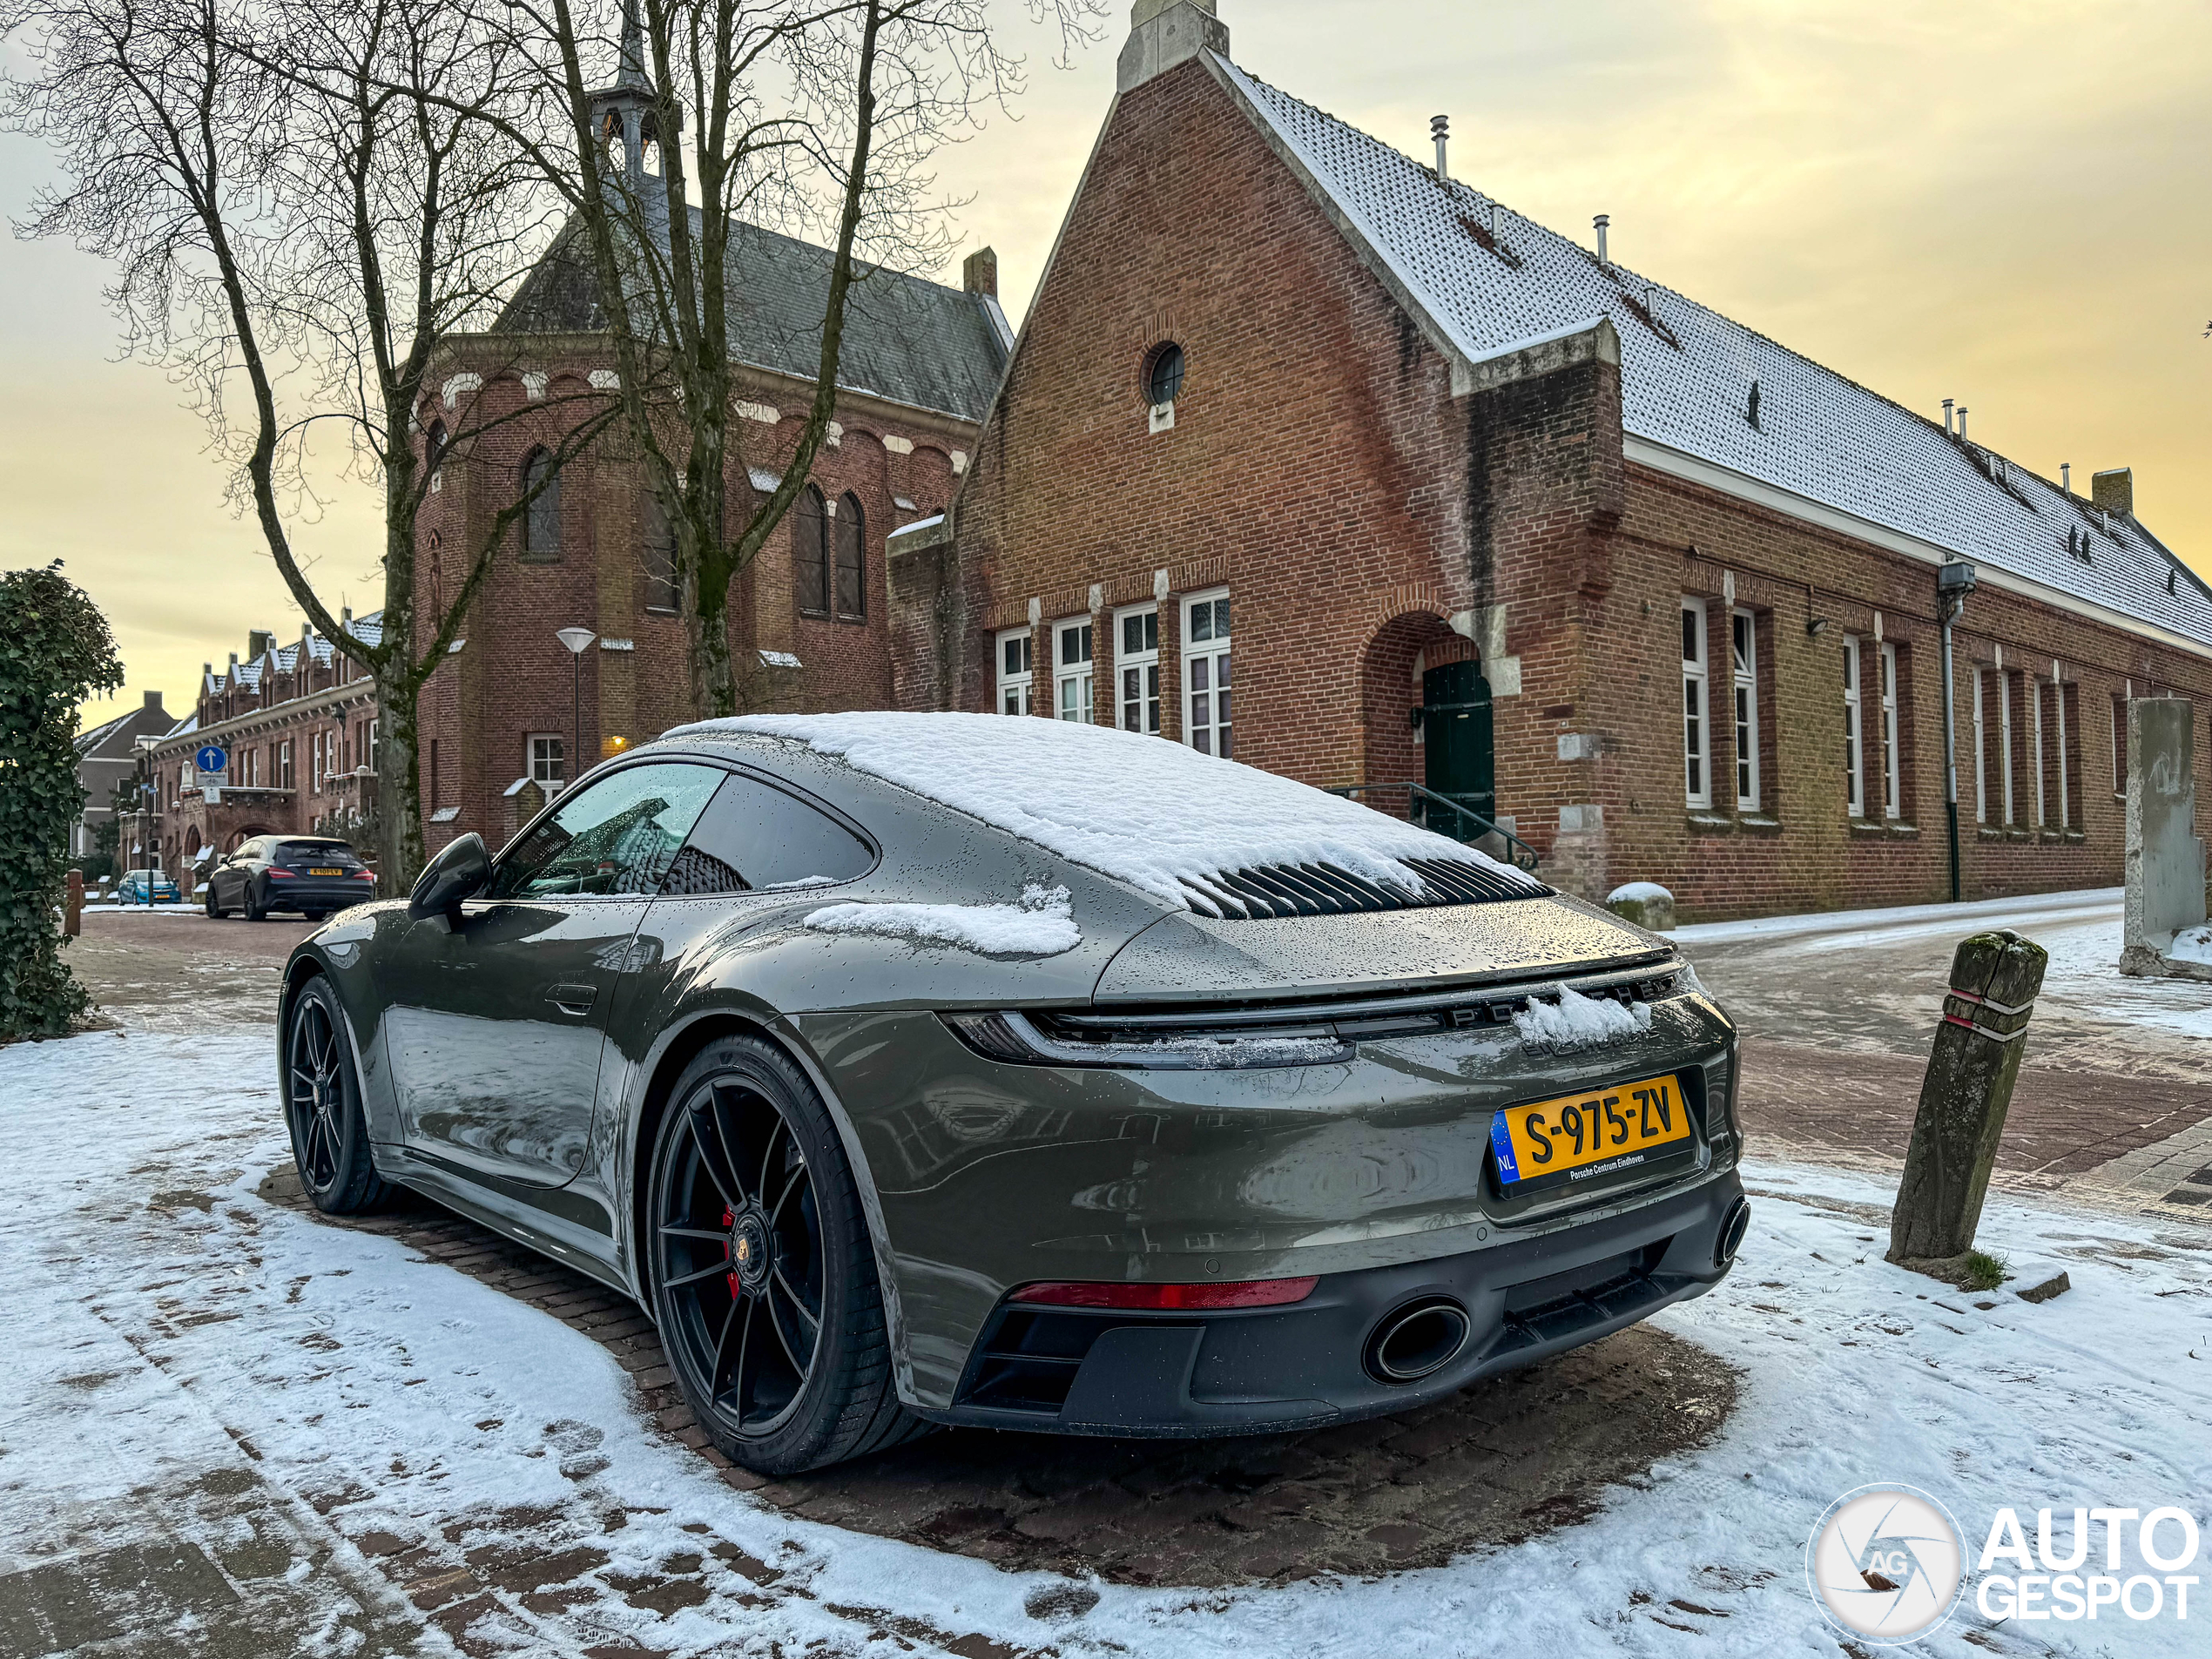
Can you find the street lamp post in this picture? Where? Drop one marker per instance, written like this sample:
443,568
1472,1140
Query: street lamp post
578,640
1954,581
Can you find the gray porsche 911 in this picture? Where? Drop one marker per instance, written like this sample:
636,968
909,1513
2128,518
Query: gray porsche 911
915,1069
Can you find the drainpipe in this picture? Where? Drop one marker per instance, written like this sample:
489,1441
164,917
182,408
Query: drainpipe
1954,581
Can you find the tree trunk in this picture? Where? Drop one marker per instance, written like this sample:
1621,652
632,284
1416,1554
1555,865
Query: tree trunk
1968,1089
399,686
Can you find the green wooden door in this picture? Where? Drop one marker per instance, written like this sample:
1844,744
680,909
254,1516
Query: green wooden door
1456,738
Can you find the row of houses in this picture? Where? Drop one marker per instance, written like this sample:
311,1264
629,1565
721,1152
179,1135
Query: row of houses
1320,458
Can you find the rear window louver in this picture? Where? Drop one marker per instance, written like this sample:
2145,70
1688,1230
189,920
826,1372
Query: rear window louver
1325,890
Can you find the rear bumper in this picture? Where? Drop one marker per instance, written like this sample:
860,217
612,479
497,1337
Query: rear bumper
1264,1369
298,894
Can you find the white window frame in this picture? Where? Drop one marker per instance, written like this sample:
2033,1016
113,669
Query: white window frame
1072,676
1854,733
1982,751
1743,669
1892,776
536,761
2004,741
1206,666
1697,722
284,763
1136,671
2036,698
1012,656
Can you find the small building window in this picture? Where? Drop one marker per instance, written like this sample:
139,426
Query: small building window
1893,763
1698,779
542,518
809,552
1162,374
851,573
1013,645
433,445
661,593
2119,744
1854,738
1205,673
1981,746
1137,663
1071,671
284,763
548,760
1744,638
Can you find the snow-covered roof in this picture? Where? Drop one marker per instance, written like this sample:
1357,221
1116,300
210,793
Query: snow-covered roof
190,723
1494,282
248,675
369,630
88,741
1159,815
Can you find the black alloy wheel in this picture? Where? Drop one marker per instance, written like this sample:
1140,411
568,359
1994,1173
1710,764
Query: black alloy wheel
254,910
764,1279
213,915
323,1108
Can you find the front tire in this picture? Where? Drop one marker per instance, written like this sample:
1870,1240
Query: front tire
763,1274
213,915
323,1108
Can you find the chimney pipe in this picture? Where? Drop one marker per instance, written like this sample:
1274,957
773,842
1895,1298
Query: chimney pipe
1602,221
1962,423
2066,477
1439,128
1947,403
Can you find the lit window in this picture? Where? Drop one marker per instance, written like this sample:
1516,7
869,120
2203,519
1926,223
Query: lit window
549,763
1892,781
1697,780
1854,745
1744,663
1013,646
1205,673
1137,667
1071,671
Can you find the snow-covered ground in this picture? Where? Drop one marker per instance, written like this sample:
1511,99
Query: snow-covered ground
167,1332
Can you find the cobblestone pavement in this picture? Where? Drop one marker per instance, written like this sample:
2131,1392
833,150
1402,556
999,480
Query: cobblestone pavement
170,971
2115,1087
1497,1463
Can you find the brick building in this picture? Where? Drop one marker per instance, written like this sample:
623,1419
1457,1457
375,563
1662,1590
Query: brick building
107,759
298,725
1374,422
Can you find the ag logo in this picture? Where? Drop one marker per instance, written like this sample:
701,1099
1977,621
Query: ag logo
1886,1564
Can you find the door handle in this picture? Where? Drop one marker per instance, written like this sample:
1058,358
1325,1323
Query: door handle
574,1001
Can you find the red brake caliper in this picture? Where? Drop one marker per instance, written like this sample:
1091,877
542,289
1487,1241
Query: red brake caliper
728,1222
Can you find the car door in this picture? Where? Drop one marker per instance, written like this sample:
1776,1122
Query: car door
230,894
494,1027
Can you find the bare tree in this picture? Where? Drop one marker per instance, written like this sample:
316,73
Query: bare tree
304,203
817,117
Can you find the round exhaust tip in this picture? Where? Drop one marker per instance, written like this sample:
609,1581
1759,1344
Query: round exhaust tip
1425,1337
1734,1226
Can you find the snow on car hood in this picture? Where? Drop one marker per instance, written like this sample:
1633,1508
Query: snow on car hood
1152,814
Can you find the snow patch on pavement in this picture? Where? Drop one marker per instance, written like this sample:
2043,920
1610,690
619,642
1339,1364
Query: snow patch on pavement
1153,814
398,1396
1041,925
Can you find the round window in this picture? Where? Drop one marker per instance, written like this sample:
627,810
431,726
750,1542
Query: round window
1164,373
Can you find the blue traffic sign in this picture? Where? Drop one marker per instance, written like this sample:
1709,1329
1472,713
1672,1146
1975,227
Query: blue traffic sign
210,760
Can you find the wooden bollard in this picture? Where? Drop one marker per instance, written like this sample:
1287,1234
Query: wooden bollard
1968,1089
73,904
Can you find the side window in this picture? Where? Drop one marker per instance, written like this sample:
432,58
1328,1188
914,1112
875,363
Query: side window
755,837
620,835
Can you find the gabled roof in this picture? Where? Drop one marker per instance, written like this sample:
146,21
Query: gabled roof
1493,281
88,741
906,341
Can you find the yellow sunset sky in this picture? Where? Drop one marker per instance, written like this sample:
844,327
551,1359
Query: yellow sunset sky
2002,203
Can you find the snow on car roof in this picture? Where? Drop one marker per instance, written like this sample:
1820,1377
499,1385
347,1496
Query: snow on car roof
1148,812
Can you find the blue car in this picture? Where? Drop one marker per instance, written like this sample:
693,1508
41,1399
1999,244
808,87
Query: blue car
149,887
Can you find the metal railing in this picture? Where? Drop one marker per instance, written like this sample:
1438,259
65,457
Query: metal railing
1462,823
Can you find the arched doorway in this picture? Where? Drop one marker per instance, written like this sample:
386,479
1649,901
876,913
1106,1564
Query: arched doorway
1414,662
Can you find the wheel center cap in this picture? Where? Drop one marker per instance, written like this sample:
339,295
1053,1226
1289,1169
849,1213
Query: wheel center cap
749,1250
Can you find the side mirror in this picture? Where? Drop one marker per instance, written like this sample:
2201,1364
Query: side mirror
460,872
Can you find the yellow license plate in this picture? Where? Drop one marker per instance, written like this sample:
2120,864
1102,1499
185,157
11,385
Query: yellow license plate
325,872
1597,1132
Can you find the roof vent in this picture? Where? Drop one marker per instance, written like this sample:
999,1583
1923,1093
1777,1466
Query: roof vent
1751,413
2066,477
1439,128
1948,404
1603,222
1962,423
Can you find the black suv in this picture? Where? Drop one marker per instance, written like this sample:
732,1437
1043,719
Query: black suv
312,874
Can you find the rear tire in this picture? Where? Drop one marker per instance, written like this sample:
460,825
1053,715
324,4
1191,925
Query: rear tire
762,1272
254,910
323,1107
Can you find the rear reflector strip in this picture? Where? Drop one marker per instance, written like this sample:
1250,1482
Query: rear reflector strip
1238,1294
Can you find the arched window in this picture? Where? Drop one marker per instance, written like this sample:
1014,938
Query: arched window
661,591
542,521
851,566
809,552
